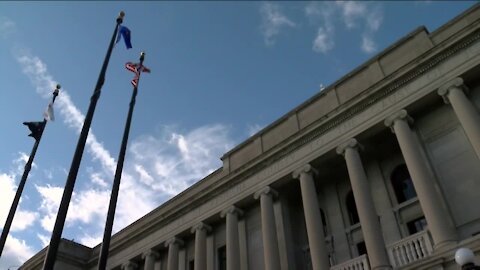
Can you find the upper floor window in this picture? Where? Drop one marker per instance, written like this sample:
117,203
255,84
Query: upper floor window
402,184
416,225
352,209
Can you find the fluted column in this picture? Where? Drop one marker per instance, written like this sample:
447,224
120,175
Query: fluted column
173,245
233,246
269,228
201,230
467,114
129,266
150,256
313,220
372,232
439,223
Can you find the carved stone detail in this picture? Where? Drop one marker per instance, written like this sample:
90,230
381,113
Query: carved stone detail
267,191
231,210
201,226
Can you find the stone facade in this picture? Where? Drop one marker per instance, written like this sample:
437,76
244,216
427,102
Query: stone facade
380,170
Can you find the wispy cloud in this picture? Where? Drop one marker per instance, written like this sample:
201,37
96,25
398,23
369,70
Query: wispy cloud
177,160
366,16
352,12
273,21
324,14
7,27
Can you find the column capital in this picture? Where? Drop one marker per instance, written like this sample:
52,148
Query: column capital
174,240
351,143
231,210
307,168
129,264
455,84
201,226
400,115
265,191
149,253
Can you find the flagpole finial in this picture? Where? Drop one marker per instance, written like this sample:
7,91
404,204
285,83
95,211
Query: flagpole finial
57,89
120,17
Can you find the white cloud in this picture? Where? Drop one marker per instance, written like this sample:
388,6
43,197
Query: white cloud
44,239
23,218
352,11
51,197
368,45
90,241
323,42
273,21
177,160
322,12
15,253
7,27
366,16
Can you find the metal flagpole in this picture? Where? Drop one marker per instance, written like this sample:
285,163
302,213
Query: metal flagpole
37,135
49,262
102,261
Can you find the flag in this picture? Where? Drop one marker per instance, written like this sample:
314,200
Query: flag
124,32
36,129
135,81
136,68
48,114
131,66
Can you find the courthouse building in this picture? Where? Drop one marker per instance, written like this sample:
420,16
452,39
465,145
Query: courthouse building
380,170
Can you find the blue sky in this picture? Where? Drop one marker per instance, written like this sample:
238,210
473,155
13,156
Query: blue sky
220,72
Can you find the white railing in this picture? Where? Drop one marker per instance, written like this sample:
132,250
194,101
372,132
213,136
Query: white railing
358,263
413,248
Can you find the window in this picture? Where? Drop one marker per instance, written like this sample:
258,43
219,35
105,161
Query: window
352,209
324,222
361,248
222,258
402,184
416,225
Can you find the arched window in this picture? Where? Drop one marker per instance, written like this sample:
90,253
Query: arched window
402,184
352,209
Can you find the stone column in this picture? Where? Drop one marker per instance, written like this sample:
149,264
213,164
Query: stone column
269,228
372,232
233,247
129,266
173,245
150,256
201,230
439,223
313,220
453,93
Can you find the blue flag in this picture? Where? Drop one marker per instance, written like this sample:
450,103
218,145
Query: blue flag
125,33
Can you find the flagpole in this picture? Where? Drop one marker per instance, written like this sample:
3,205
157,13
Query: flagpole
21,185
102,261
77,158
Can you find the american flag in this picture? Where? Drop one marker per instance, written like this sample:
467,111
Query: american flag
136,68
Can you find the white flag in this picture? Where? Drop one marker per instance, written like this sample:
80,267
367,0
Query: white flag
48,114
